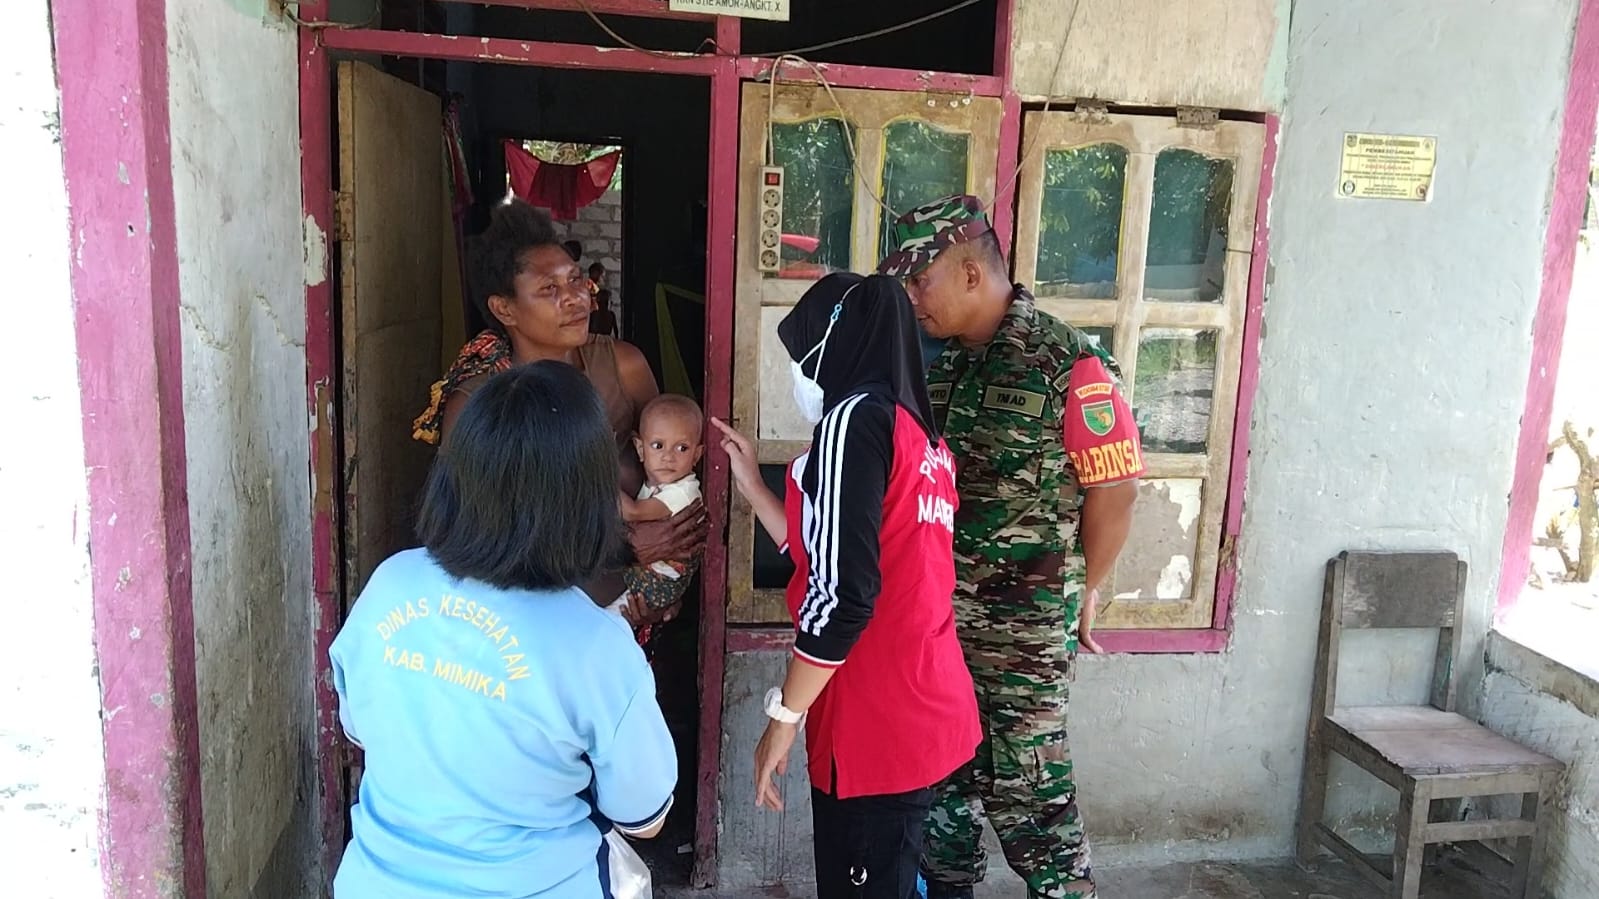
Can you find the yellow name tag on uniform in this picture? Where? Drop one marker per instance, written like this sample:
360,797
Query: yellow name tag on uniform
938,394
1009,399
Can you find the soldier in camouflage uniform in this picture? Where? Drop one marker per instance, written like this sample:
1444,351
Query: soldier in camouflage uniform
1034,415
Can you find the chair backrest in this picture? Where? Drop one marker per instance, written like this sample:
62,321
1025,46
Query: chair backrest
1368,590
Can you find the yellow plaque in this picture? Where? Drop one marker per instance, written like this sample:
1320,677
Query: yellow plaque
1387,167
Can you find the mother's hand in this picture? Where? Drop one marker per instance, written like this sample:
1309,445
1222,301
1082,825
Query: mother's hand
680,537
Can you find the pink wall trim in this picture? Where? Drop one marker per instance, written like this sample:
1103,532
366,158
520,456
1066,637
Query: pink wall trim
650,9
876,77
1570,196
721,239
116,146
321,358
1248,384
1164,641
513,52
1002,210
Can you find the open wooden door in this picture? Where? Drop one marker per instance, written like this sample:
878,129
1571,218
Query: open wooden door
390,229
912,148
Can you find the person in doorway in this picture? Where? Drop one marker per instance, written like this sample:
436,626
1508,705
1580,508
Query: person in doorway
596,279
669,444
553,733
1048,458
877,673
532,294
602,320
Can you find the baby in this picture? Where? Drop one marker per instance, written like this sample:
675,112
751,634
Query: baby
669,444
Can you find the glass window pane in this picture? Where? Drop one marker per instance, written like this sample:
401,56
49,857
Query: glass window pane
1188,227
1103,335
920,164
1158,563
1080,223
772,568
818,196
1173,389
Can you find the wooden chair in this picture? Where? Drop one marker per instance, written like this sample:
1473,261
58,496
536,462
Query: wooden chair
1428,753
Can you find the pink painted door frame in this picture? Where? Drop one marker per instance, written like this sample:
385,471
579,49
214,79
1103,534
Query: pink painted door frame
726,70
111,60
1554,295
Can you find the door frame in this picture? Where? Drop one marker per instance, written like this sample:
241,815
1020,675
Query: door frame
726,72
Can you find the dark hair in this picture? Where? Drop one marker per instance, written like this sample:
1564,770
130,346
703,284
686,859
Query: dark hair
523,492
573,249
496,254
985,249
597,267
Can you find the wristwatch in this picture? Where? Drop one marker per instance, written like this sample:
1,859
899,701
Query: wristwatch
778,712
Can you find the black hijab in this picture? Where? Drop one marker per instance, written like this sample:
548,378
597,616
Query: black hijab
875,347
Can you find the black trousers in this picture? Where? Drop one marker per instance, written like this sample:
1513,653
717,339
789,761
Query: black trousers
868,847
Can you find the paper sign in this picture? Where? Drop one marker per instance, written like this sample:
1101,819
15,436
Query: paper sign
775,10
1387,167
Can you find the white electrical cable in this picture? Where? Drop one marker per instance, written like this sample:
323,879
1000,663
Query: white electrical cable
1035,143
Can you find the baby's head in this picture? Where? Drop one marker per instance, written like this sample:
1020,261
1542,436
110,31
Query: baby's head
669,437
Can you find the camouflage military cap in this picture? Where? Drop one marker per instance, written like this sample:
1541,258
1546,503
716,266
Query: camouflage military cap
920,235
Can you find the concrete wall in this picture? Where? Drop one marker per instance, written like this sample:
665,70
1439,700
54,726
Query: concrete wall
1552,708
235,131
51,753
1229,54
1396,341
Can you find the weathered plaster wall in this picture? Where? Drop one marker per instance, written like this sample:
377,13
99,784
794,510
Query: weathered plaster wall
1217,53
1552,708
1396,341
235,133
51,753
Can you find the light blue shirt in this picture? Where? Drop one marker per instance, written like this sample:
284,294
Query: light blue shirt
503,729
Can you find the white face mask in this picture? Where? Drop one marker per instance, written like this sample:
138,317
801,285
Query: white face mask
808,395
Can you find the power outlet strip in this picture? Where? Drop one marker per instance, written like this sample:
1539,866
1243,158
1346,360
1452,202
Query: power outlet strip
769,236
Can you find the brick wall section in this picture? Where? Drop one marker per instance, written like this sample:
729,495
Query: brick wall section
599,229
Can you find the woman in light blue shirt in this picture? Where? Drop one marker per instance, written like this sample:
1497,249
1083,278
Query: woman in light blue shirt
508,722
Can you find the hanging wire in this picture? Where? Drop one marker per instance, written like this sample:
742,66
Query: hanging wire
1035,142
661,54
866,36
849,140
797,51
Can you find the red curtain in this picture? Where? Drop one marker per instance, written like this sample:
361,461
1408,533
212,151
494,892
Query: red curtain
562,189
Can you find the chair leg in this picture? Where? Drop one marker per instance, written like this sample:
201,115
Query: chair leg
1527,877
1312,801
1410,847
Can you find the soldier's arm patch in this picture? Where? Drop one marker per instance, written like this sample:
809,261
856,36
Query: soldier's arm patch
1100,435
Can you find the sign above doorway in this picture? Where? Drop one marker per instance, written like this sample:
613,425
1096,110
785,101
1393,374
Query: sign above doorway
775,10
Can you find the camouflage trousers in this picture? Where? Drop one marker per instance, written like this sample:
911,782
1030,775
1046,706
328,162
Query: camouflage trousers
1019,630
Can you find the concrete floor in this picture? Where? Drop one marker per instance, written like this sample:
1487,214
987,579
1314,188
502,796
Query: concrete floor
1206,880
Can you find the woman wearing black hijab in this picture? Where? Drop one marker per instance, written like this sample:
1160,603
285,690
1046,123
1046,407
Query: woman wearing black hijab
877,675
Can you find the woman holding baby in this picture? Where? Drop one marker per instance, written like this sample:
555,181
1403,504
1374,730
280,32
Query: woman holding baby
536,303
